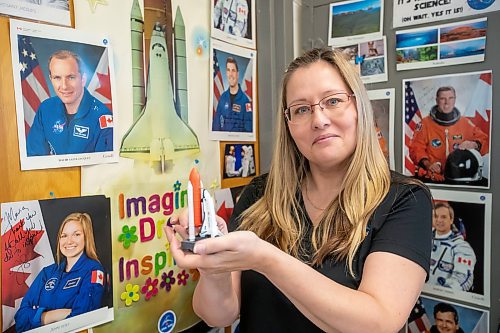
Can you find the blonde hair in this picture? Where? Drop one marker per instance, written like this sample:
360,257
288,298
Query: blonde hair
88,233
342,226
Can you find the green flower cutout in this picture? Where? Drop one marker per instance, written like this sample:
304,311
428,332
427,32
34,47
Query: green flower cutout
128,236
131,294
177,186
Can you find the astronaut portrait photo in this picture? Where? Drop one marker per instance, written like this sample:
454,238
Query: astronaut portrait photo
63,100
233,114
435,315
447,129
59,273
382,101
234,21
460,246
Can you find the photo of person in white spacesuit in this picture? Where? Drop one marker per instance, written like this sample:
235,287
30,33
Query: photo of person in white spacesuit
232,17
452,257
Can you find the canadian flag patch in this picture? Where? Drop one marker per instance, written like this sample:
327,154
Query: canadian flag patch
106,121
97,277
248,107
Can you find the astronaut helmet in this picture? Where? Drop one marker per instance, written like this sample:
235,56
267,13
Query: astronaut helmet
464,166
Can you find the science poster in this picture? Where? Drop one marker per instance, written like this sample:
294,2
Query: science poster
460,257
357,21
370,59
234,22
411,12
447,129
233,71
443,45
64,117
55,11
383,101
40,239
163,133
450,316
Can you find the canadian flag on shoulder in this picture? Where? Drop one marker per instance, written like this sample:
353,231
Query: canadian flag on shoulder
97,277
106,121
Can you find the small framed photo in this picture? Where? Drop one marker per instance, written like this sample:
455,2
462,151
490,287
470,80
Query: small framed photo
439,315
63,83
232,106
56,255
383,101
54,11
234,22
238,163
355,21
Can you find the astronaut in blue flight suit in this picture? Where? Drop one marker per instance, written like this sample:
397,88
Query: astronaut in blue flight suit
234,109
70,287
73,121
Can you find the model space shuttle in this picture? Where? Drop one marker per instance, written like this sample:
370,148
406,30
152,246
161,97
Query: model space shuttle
159,133
201,213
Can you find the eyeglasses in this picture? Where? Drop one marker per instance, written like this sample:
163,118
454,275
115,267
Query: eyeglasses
302,113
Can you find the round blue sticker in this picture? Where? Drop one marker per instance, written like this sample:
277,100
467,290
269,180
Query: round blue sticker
166,323
480,4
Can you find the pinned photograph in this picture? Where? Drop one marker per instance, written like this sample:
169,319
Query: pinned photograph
50,11
460,257
238,164
444,45
447,129
56,264
370,59
436,315
352,22
233,114
63,88
233,21
383,101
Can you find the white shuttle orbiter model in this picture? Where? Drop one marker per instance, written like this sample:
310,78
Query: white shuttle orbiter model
158,134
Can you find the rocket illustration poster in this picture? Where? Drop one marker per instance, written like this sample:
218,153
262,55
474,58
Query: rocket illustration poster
63,82
163,84
56,264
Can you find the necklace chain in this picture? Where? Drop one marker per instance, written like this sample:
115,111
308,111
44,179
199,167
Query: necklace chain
310,201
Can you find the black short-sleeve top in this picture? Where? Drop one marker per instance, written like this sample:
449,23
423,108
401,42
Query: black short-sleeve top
402,225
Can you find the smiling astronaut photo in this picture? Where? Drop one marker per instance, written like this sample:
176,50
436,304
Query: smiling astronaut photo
460,246
65,258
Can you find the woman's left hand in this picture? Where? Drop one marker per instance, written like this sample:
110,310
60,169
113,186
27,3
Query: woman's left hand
236,251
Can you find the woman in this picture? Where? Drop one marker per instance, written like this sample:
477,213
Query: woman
330,240
71,286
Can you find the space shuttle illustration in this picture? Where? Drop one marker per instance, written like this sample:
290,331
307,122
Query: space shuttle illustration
160,132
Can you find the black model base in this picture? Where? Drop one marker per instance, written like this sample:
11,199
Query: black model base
187,245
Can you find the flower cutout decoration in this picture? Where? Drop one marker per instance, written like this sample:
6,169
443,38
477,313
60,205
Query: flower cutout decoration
195,274
182,278
167,280
128,236
150,289
130,294
177,186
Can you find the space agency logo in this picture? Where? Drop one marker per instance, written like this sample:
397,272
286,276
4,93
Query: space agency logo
81,131
167,321
480,4
50,284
